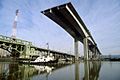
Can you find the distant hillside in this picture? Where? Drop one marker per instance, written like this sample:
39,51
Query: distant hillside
112,56
115,56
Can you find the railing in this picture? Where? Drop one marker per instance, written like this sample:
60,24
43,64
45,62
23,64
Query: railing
14,40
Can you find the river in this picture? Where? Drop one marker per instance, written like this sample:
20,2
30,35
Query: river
89,70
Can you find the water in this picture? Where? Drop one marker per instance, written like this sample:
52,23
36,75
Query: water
79,71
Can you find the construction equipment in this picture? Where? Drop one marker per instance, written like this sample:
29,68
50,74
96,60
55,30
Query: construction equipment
14,30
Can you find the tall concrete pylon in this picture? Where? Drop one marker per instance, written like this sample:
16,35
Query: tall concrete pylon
76,50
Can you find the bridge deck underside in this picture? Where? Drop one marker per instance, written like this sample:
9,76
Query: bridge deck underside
65,15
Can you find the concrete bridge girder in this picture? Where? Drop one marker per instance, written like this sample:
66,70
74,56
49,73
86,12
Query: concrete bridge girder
66,16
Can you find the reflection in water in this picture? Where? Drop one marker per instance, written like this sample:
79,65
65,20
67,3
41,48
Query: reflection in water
28,71
14,71
91,70
22,72
44,69
79,71
9,72
76,70
88,70
3,71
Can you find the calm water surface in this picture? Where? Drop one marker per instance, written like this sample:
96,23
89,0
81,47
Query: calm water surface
79,71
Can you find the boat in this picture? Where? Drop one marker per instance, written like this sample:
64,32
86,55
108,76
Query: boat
41,60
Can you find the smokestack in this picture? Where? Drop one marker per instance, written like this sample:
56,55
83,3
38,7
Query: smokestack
15,25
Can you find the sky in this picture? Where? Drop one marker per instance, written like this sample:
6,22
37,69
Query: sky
102,18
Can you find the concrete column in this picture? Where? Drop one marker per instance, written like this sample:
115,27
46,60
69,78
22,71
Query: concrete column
26,51
90,54
95,49
48,49
94,52
85,41
76,49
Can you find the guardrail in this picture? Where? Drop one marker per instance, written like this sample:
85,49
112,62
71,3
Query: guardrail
14,40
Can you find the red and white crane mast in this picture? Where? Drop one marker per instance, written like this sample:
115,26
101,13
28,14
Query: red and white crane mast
14,29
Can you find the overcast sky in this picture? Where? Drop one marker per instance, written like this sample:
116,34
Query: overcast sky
102,18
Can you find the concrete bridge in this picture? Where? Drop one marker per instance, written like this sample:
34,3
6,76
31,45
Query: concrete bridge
25,49
67,17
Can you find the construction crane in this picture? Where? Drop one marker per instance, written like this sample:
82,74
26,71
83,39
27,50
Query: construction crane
14,30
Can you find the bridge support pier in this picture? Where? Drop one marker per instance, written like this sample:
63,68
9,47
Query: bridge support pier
94,53
86,50
76,49
26,51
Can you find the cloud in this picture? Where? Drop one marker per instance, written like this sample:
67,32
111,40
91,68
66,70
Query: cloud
1,6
